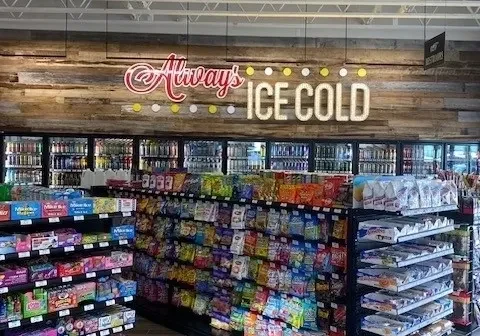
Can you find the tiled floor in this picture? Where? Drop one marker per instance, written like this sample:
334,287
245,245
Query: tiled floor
146,327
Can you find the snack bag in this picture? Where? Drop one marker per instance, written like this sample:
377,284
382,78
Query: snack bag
250,243
312,227
251,216
238,217
261,249
287,193
339,228
305,194
318,194
273,222
261,219
297,224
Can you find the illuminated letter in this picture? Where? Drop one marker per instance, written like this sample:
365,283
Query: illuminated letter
280,101
258,101
250,100
338,104
298,102
353,102
318,102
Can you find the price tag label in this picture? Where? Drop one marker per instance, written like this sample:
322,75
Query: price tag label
335,245
334,329
105,332
227,198
25,222
254,201
202,196
335,218
116,270
103,216
67,279
88,246
321,277
182,194
44,252
93,334
333,305
214,197
91,275
3,290
54,220
36,319
301,206
104,244
243,200
78,218
63,313
2,257
335,276
320,304
123,242
268,202
117,330
24,254
88,307
315,208
109,302
42,283
128,298
14,324
175,194
127,214
337,211
190,195
128,326
283,205
69,248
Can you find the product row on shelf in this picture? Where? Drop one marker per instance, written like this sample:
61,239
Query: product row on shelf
63,263
24,160
249,268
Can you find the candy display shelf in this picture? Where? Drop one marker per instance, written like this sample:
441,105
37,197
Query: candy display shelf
84,307
385,237
112,331
282,205
52,220
407,262
66,249
414,328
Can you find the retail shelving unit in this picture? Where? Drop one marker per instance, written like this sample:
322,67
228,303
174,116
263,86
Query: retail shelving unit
82,223
396,299
182,319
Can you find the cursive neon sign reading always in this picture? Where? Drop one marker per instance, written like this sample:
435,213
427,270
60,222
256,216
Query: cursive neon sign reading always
143,78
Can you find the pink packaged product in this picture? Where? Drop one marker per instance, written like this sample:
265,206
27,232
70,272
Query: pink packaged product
95,263
42,271
24,242
128,204
12,275
32,331
68,237
44,240
119,259
85,291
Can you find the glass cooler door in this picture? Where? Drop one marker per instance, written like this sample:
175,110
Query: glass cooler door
422,160
474,164
377,159
333,158
68,158
458,158
113,153
23,160
203,156
158,154
245,157
289,156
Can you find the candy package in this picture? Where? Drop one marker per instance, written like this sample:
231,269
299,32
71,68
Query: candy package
297,224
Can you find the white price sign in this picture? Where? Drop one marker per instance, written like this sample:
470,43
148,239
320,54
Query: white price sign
63,313
88,307
90,275
42,283
128,326
127,214
109,302
24,254
54,220
88,246
69,248
14,324
78,218
128,298
36,319
105,332
3,290
117,330
104,244
67,279
116,270
123,242
2,257
25,222
44,252
103,216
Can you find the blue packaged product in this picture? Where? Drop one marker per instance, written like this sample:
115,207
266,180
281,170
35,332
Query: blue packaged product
25,210
80,206
8,244
123,232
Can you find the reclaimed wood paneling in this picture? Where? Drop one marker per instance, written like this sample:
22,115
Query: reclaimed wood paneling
83,92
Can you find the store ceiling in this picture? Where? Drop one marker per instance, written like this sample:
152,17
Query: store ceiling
289,18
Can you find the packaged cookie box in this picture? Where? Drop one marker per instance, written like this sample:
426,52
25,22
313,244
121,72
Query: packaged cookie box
12,275
95,263
126,204
4,212
103,205
43,271
44,240
68,237
54,209
60,298
25,210
119,259
70,268
80,206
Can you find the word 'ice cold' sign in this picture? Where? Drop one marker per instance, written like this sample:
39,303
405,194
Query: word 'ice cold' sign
327,102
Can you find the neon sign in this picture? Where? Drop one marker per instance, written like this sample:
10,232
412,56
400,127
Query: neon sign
143,78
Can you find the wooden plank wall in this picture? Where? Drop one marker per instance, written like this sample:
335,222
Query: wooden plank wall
83,92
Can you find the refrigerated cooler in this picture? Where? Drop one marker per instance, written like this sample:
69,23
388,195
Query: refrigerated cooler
422,160
23,160
462,158
203,156
333,158
377,159
158,154
289,156
68,158
113,153
245,156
